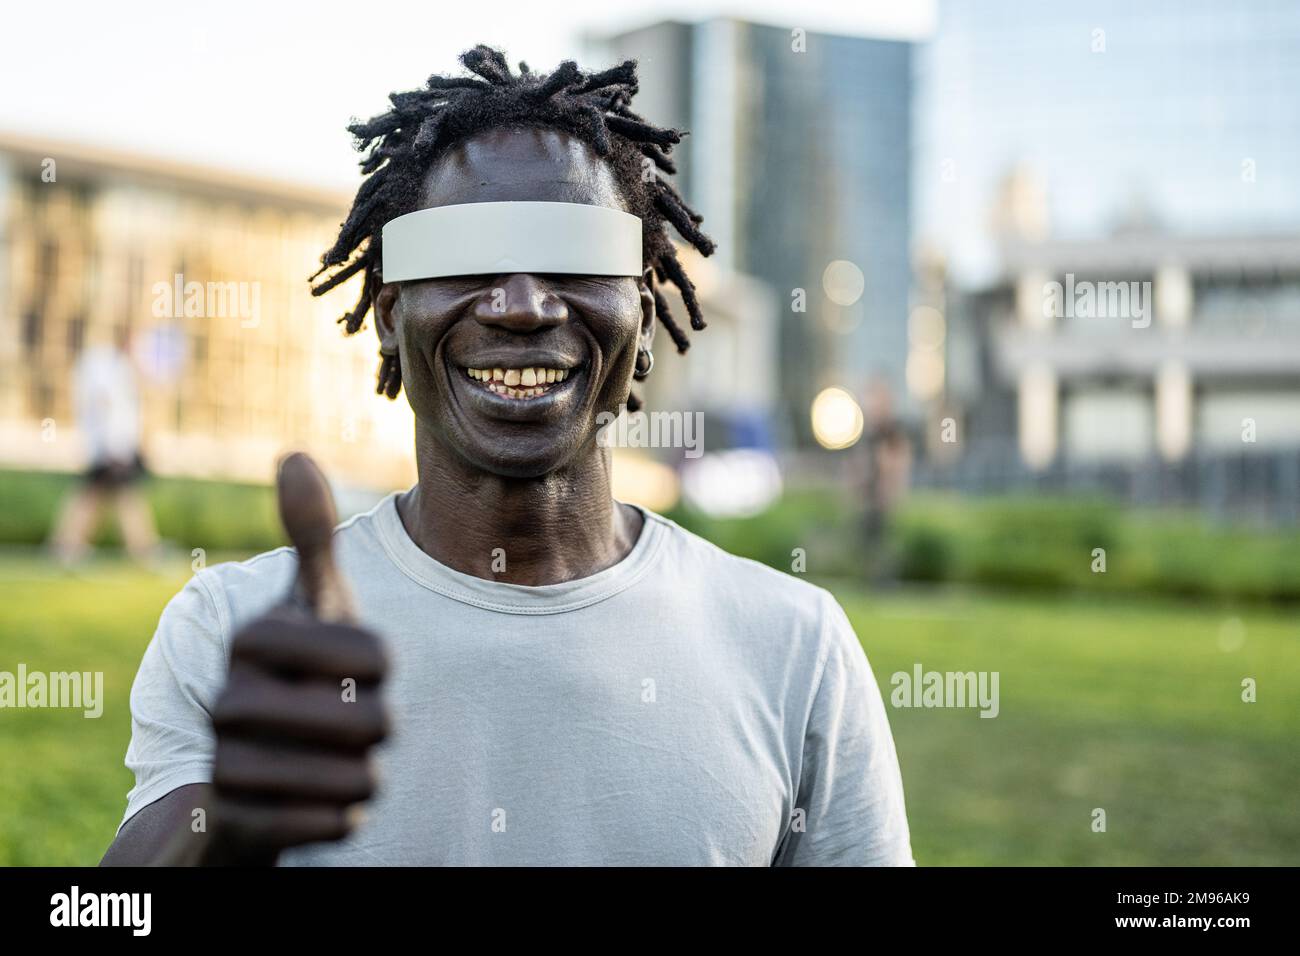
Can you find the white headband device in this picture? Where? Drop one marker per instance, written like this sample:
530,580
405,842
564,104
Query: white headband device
502,237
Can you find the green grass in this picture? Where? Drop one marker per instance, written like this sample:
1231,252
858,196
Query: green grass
1127,705
63,788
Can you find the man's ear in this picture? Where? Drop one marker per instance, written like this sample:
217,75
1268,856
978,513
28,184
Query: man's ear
648,314
385,322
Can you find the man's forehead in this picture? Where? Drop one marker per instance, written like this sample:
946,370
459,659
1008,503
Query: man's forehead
522,164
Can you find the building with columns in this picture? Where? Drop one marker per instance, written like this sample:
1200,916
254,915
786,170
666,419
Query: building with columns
204,273
1147,345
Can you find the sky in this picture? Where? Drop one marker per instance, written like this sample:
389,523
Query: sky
267,88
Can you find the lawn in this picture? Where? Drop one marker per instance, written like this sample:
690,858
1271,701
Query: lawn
1126,705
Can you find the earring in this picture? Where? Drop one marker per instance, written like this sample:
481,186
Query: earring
645,361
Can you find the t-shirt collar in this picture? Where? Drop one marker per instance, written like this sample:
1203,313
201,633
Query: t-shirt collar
517,598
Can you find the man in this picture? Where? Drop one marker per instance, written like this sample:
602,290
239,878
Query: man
566,679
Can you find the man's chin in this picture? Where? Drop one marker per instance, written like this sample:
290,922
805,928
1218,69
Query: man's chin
522,470
513,459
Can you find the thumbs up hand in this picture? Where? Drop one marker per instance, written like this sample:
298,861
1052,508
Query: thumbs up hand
301,708
307,512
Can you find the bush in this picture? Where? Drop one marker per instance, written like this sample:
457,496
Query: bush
814,519
925,554
1043,544
216,516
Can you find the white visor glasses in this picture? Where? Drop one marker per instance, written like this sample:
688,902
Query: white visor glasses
488,238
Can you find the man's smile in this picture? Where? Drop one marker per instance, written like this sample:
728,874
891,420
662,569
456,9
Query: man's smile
520,384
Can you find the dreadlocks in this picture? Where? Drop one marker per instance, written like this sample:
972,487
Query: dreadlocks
403,143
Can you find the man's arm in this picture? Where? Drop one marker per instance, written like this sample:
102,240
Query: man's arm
283,730
850,787
156,835
291,751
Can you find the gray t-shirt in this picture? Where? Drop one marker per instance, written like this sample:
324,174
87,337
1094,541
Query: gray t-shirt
684,706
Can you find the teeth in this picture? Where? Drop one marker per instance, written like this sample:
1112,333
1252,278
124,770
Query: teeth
518,382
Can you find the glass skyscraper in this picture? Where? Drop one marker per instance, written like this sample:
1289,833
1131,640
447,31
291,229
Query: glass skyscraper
798,160
1177,115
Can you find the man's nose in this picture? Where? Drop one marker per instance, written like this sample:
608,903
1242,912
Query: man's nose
520,302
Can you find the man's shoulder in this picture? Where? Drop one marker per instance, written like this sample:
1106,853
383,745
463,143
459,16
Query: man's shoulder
247,587
747,586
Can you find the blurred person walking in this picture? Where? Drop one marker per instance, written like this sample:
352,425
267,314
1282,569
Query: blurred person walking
107,402
886,474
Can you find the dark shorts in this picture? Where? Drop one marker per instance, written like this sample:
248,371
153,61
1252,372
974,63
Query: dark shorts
108,475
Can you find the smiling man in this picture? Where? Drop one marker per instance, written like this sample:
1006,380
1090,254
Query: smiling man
566,679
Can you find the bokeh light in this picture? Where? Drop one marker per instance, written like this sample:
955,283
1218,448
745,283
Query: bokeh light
836,419
843,282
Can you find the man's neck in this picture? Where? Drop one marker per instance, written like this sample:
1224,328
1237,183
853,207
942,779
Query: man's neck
559,527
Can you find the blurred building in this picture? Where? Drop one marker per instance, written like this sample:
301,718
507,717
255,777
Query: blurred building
1176,115
1108,250
1135,347
798,159
208,272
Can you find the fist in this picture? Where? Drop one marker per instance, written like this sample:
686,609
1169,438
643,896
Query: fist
301,709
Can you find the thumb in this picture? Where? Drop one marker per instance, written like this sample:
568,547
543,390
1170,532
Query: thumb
308,514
